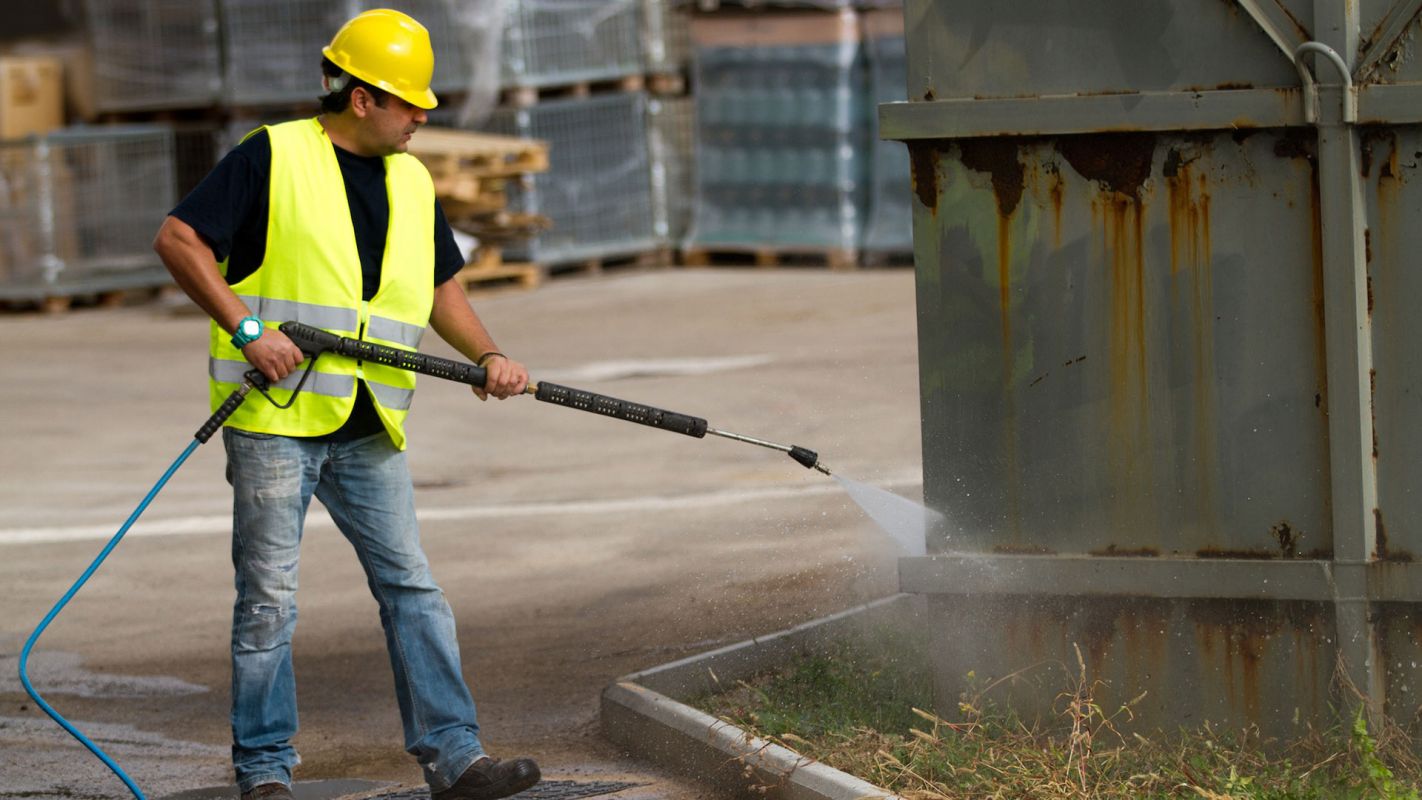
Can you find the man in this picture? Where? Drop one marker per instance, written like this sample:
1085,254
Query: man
329,221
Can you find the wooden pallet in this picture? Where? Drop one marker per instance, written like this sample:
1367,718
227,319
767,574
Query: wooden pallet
887,258
837,259
667,84
447,152
525,96
60,303
652,259
489,271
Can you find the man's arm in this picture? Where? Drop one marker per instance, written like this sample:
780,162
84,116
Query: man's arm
190,261
455,321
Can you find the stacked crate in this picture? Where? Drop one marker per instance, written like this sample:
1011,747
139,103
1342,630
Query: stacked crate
782,139
78,210
587,76
562,42
153,54
889,229
671,149
597,191
272,48
774,152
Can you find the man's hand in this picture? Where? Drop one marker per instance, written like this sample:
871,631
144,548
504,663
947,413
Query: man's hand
504,378
273,354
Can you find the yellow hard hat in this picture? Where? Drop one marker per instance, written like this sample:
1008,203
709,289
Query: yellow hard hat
389,50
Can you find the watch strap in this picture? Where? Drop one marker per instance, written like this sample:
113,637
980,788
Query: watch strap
240,338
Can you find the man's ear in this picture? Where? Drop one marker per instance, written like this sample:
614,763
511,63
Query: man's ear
361,101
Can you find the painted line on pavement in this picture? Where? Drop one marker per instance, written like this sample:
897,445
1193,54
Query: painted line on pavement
210,524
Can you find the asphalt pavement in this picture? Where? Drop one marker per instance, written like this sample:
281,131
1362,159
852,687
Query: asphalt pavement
573,548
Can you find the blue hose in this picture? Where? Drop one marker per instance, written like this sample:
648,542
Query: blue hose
53,612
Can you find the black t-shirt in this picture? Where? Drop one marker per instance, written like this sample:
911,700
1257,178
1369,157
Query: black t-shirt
229,210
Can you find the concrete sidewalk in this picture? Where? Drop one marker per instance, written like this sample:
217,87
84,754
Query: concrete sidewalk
574,549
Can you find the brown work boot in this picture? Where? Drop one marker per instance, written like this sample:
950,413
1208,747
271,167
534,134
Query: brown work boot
269,791
489,779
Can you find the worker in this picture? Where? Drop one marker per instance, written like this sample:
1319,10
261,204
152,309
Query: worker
331,222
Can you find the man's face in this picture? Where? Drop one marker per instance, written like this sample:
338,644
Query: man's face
387,128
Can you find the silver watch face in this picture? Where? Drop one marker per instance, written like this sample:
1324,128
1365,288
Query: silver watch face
251,328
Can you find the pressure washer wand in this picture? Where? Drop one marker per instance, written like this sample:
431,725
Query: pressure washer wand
314,341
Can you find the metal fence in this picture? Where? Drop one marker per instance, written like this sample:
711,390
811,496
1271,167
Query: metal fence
666,37
273,47
781,137
153,54
550,42
79,207
889,226
597,190
671,130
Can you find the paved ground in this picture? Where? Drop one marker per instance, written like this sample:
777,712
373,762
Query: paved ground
573,549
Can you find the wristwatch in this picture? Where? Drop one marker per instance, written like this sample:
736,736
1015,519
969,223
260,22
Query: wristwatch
248,330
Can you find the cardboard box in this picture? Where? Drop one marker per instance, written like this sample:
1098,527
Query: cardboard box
31,95
883,23
782,28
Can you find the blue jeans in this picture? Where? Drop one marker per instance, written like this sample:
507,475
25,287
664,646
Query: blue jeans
365,484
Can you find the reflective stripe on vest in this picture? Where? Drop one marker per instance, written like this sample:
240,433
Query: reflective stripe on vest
330,318
311,273
392,330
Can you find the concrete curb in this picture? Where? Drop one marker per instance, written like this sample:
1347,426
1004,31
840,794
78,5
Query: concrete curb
643,712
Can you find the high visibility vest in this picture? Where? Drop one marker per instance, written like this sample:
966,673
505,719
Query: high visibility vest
311,273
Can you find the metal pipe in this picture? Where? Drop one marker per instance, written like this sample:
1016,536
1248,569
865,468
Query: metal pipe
806,457
1310,86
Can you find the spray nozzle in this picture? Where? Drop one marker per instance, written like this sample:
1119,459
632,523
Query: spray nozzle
807,458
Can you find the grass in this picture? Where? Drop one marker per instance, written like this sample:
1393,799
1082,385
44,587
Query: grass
864,715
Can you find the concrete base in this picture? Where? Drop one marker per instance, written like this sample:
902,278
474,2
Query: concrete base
643,712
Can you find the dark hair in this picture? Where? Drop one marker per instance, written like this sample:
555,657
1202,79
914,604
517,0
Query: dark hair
337,102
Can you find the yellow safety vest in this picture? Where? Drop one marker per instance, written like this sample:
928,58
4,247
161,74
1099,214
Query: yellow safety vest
311,273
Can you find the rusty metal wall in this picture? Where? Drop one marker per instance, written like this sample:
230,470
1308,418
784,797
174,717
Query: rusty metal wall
1102,373
1394,197
1167,340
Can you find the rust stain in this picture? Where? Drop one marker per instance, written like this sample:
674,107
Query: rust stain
1112,550
1320,343
1297,144
1004,290
1373,409
1120,162
997,157
928,95
1240,633
1055,191
923,158
1097,631
1220,552
1023,550
1143,626
1287,536
1380,547
1123,249
1191,252
1203,208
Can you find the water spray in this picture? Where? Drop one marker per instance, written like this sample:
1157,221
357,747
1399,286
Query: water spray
315,342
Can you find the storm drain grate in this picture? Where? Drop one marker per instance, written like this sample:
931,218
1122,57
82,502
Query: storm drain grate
547,790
